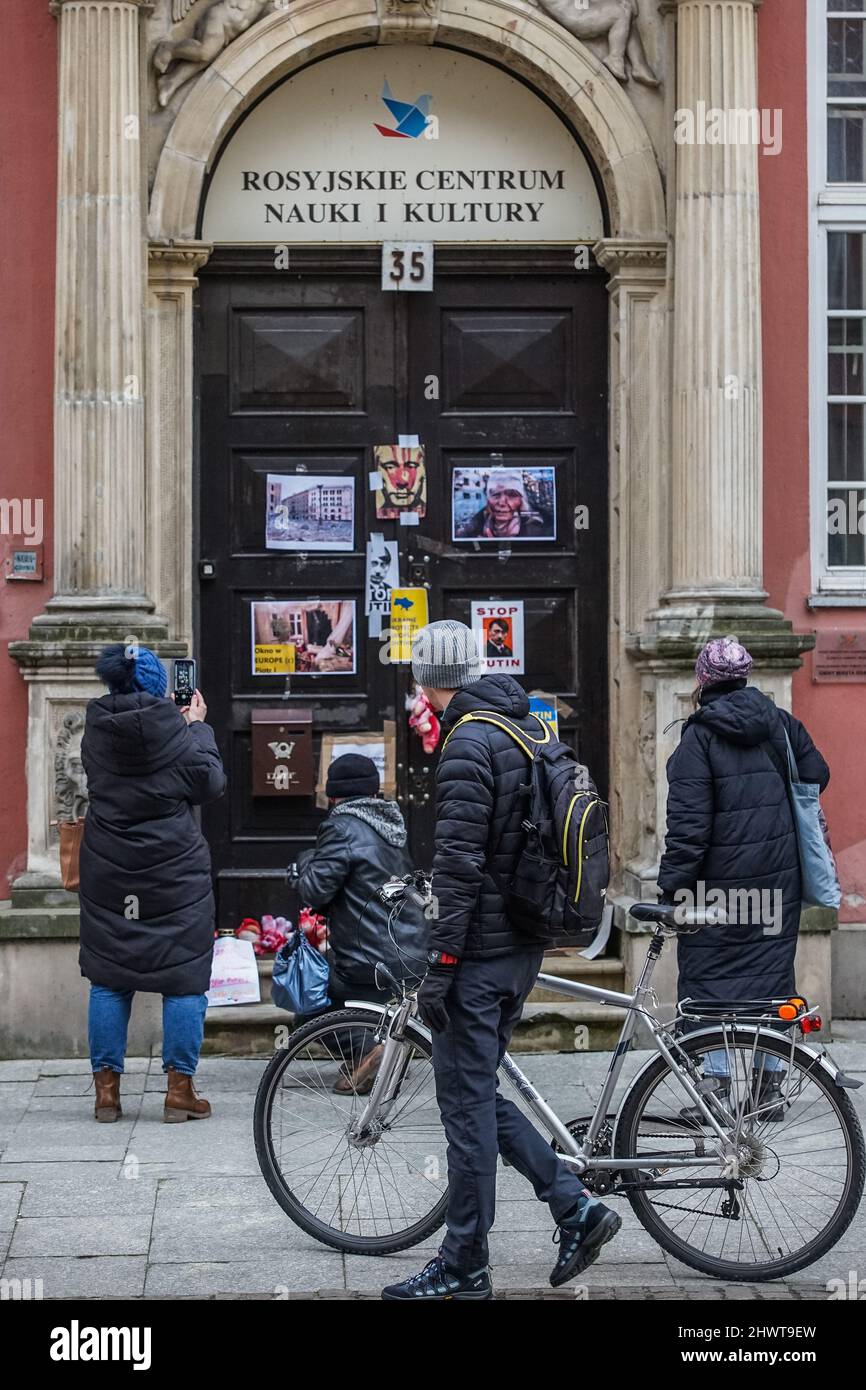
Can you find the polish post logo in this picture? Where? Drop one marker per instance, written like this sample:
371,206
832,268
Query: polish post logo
411,117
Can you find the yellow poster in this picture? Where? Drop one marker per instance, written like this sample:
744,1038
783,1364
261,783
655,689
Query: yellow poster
273,659
408,616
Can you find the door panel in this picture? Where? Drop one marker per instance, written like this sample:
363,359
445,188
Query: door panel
298,360
503,364
521,351
505,358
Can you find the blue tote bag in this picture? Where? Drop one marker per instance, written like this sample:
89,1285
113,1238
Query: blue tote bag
300,980
820,886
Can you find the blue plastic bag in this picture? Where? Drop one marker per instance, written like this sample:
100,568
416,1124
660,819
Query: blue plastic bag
820,886
300,980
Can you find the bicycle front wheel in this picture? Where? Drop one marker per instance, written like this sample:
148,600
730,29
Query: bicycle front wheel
797,1145
370,1194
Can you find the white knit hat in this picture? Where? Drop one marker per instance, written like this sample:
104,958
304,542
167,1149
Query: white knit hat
445,656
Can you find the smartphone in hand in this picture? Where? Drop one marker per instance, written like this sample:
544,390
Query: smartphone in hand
185,681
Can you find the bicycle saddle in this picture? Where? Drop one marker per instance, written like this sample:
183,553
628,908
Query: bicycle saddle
653,912
688,921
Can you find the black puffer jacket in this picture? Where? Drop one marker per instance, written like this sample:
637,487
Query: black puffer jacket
147,905
360,844
482,786
729,826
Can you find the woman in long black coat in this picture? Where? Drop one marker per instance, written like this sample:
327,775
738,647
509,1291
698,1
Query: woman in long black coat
146,893
730,828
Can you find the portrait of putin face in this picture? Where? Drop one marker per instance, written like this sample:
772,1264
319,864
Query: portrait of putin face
402,480
498,631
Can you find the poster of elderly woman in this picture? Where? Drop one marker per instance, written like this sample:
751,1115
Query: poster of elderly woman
503,504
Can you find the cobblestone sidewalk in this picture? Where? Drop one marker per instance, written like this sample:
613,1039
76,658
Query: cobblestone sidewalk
145,1210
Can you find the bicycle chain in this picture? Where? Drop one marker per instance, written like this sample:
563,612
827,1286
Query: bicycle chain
675,1206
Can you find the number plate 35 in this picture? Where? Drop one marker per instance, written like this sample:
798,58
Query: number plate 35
407,265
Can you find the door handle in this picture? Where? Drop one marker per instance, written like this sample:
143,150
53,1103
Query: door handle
419,571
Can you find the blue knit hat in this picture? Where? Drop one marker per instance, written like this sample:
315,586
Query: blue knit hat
125,669
150,673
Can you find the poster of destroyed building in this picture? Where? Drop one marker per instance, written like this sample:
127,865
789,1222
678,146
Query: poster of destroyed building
306,511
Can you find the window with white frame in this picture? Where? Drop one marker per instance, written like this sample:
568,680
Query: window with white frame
837,60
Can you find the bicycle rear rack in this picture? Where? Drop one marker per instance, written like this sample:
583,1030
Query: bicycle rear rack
747,1011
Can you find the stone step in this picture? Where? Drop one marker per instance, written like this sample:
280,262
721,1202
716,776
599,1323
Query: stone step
607,972
550,1022
251,1030
568,1027
244,1030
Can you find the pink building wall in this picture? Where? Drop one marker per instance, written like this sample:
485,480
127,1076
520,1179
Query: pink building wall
28,160
835,714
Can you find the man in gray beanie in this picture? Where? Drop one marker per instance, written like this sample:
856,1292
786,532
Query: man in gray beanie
480,970
445,659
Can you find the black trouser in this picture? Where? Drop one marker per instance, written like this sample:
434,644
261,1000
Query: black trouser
484,1004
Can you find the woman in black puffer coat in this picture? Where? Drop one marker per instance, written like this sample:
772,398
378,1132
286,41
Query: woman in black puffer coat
146,894
730,827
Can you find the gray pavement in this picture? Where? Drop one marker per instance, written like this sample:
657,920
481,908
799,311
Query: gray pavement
145,1210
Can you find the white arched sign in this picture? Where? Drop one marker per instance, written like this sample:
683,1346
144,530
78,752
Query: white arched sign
414,143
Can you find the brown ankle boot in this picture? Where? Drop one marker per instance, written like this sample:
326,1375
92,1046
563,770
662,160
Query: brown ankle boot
107,1108
360,1081
181,1101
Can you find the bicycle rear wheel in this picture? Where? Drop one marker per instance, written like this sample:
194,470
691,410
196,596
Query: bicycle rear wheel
801,1159
385,1193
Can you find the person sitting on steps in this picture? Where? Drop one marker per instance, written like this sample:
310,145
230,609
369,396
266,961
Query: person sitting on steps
360,844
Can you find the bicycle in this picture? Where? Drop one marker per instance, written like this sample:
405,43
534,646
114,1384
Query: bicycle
739,1179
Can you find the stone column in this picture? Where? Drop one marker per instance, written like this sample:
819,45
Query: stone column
716,403
101,518
639,511
99,514
171,282
715,520
716,514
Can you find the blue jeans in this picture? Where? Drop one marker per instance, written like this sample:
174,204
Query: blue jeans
182,1029
716,1063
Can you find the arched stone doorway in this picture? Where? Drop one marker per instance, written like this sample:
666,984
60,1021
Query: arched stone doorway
565,73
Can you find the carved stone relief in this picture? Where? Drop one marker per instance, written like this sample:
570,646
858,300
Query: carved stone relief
70,781
617,21
217,23
186,46
184,37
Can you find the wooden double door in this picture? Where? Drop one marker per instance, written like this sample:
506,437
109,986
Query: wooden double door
306,370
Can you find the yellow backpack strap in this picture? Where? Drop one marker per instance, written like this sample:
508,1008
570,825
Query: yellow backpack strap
525,740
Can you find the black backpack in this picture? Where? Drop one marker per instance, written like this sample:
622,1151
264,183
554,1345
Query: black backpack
557,891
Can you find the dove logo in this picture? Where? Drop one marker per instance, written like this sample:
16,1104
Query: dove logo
412,118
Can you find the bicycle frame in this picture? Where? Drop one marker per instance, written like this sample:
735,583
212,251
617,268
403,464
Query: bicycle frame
579,1156
576,1155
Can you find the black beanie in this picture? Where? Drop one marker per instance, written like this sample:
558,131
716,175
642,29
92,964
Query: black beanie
352,775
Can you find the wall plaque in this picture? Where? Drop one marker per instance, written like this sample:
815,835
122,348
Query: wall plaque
840,656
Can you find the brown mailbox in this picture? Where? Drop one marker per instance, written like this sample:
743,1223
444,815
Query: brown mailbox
282,752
